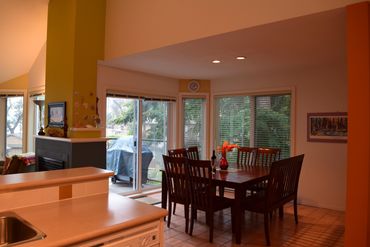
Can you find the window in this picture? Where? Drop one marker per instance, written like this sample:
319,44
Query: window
257,121
194,123
11,130
36,107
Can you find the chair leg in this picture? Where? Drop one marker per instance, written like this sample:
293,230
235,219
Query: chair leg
186,209
267,232
193,211
281,212
295,210
174,207
169,214
221,191
209,215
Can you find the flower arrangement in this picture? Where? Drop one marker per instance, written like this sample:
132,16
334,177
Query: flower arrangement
226,147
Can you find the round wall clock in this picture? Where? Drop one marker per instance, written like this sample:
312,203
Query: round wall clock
193,86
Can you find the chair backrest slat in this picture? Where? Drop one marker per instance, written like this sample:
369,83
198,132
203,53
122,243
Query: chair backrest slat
176,178
283,180
200,177
266,156
179,152
246,156
192,153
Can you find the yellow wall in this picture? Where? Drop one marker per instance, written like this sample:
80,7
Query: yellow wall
75,42
18,83
357,231
205,86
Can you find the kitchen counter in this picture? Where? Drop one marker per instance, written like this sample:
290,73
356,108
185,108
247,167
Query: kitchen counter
68,222
23,181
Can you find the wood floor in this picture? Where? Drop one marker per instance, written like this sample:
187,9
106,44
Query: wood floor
317,227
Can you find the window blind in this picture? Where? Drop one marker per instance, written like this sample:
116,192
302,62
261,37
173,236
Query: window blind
256,121
272,122
233,123
194,115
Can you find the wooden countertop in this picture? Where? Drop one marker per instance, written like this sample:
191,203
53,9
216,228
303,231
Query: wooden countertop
23,181
74,220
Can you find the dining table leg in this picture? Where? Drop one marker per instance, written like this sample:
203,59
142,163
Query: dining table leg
164,190
238,210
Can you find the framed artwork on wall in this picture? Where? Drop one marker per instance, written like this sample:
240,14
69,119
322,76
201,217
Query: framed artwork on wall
57,114
327,127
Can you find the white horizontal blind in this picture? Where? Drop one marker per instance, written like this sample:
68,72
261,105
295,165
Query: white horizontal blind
266,118
272,122
233,123
194,121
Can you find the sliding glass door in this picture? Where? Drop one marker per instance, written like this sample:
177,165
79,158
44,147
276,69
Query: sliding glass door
137,129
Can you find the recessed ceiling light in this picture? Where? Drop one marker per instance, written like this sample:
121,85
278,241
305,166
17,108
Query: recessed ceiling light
216,61
240,57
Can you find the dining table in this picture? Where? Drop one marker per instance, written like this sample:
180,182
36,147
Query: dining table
239,178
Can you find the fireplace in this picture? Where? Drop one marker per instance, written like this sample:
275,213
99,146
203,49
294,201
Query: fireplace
59,153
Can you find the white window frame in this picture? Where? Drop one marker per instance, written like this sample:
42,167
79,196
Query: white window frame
24,120
270,91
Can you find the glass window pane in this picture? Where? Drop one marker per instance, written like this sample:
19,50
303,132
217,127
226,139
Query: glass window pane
272,122
233,122
154,140
14,125
194,121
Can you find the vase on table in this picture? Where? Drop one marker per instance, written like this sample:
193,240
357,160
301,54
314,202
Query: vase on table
223,162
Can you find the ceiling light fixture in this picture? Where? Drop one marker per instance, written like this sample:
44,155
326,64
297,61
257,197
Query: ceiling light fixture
216,61
240,58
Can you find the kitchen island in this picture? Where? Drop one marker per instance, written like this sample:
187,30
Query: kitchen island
92,218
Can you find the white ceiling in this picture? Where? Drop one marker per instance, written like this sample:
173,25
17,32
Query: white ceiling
314,40
23,33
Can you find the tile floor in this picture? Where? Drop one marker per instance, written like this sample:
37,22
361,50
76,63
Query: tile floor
317,227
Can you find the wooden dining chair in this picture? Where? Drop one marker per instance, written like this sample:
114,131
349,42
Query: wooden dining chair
247,156
203,193
178,185
178,152
282,187
192,153
266,156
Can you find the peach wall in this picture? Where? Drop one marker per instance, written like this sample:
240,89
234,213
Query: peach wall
322,89
136,26
358,52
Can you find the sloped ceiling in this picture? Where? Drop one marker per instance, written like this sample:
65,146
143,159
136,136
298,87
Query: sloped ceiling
23,26
313,40
299,43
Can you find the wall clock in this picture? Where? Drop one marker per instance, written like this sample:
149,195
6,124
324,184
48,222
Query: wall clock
193,86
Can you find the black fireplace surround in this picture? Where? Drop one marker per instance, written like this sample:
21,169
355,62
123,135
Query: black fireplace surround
60,153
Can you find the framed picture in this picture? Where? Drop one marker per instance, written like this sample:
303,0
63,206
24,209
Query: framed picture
57,114
327,127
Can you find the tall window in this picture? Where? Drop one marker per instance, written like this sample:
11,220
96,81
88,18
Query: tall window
194,121
11,130
35,118
256,121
